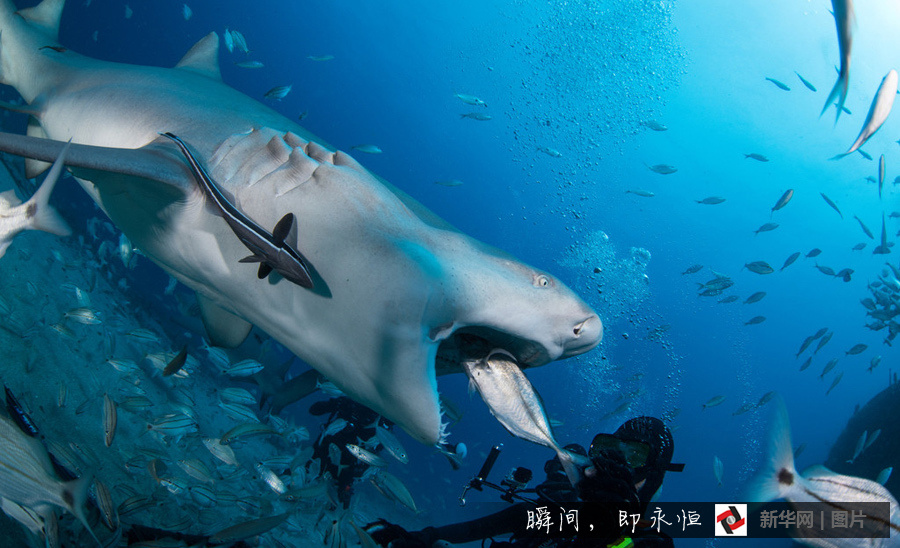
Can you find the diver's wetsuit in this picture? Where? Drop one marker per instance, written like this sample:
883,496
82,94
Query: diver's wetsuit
359,420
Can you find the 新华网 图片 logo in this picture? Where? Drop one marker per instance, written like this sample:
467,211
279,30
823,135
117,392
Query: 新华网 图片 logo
731,520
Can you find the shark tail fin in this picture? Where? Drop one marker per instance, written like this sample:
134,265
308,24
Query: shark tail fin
839,92
777,477
43,216
75,495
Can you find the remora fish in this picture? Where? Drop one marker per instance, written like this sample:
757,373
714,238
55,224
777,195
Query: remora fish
843,20
360,232
880,175
780,480
36,213
878,112
513,401
270,250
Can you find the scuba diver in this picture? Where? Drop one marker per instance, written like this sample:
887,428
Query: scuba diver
348,423
627,469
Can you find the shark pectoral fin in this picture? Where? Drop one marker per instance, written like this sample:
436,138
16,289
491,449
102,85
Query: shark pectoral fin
264,270
283,228
251,259
224,328
33,168
150,162
295,390
203,58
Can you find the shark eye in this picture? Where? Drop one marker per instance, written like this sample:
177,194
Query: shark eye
542,281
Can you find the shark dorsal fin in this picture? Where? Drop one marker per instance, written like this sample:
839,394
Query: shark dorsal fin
283,228
203,58
45,15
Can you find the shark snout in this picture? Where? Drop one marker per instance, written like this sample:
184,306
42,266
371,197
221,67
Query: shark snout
585,335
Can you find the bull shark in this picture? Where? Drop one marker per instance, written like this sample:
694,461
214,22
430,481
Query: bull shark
395,289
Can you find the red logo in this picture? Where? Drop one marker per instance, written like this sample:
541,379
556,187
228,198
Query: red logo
731,520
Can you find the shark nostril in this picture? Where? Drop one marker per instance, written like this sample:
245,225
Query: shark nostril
579,328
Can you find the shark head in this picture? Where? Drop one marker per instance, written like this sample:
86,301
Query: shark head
511,305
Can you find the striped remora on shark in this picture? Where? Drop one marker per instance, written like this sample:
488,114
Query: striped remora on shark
269,249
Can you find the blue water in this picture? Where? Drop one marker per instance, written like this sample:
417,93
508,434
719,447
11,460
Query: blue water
582,78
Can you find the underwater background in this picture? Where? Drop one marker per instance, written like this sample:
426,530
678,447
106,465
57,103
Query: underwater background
571,88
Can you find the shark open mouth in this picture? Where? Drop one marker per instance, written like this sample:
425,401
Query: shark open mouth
477,341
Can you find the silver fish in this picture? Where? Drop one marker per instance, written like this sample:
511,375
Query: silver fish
248,529
247,430
790,260
221,452
271,479
244,368
779,479
712,200
806,82
718,470
278,92
368,149
391,444
240,43
196,469
756,297
832,204
105,503
393,488
334,427
878,112
470,100
514,402
27,478
366,456
663,169
783,201
779,84
641,193
83,315
109,419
